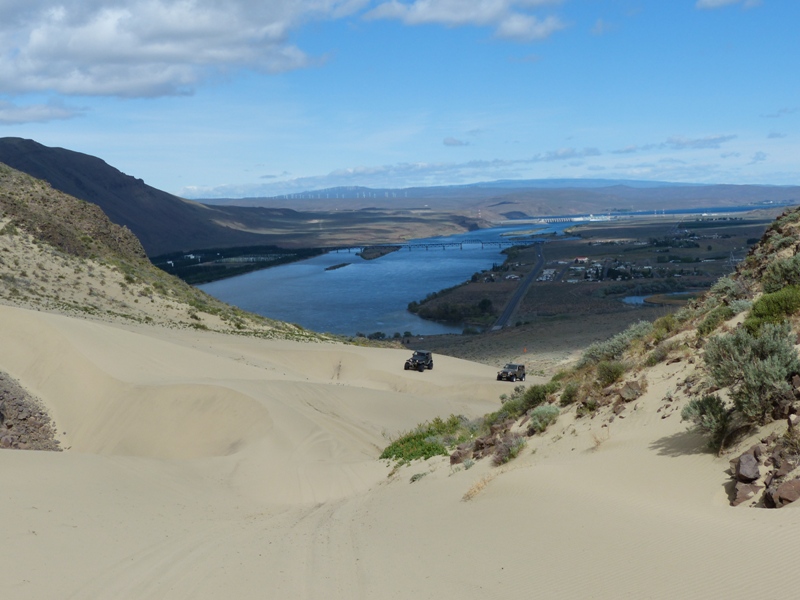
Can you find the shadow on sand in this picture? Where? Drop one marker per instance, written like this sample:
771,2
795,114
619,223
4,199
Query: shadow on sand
681,444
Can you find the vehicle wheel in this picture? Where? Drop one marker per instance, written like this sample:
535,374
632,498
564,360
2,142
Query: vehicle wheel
499,378
513,378
522,378
421,368
430,367
406,367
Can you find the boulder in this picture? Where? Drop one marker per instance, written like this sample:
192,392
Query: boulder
630,391
747,468
744,492
460,455
782,494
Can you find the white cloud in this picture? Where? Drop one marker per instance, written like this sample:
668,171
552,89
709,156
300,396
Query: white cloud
140,48
451,141
682,143
781,112
11,114
153,48
758,157
678,142
510,19
602,27
720,3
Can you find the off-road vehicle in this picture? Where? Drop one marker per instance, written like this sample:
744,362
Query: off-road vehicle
511,372
419,361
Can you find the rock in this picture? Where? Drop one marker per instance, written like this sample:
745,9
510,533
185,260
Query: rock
744,492
796,382
484,443
771,439
783,494
788,492
459,456
747,468
630,391
784,469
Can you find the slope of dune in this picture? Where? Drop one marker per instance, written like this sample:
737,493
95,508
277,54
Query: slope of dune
199,464
205,464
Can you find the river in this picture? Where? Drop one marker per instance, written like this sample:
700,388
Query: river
367,296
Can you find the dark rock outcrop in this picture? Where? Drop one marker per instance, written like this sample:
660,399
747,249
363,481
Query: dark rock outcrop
25,424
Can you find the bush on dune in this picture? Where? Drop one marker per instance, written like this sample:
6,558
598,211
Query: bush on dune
757,370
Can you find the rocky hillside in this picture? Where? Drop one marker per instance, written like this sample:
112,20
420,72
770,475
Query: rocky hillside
61,253
727,365
162,222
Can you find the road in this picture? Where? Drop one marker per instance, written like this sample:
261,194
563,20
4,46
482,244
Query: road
520,292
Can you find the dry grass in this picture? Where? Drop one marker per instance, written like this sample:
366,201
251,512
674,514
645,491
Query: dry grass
479,486
600,438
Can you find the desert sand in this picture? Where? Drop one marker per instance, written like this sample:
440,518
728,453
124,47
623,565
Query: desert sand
202,465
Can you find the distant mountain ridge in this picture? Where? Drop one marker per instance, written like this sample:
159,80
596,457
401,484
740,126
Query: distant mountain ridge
162,222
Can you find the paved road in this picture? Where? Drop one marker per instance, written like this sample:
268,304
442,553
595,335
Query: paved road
520,292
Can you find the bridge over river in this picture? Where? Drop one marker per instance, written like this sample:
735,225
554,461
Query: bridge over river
438,245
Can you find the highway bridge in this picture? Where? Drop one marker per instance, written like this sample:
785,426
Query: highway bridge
438,245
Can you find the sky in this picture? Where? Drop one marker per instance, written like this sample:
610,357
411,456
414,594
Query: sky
244,98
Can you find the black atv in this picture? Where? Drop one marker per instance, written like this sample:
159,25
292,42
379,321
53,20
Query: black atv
419,361
511,372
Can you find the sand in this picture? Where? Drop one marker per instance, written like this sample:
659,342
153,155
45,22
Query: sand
202,465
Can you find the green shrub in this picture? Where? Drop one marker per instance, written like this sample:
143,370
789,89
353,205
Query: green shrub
614,347
780,273
757,369
728,289
710,416
714,318
521,401
542,417
610,371
773,308
587,407
427,440
659,353
663,326
537,394
569,394
740,306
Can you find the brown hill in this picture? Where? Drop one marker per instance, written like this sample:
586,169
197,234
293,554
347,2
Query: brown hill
162,222
64,254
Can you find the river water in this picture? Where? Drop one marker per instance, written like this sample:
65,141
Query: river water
367,295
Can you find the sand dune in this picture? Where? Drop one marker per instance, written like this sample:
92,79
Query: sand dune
201,465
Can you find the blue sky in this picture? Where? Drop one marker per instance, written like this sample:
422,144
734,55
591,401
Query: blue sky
206,98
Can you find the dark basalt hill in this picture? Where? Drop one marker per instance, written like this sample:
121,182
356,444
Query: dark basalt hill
162,222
